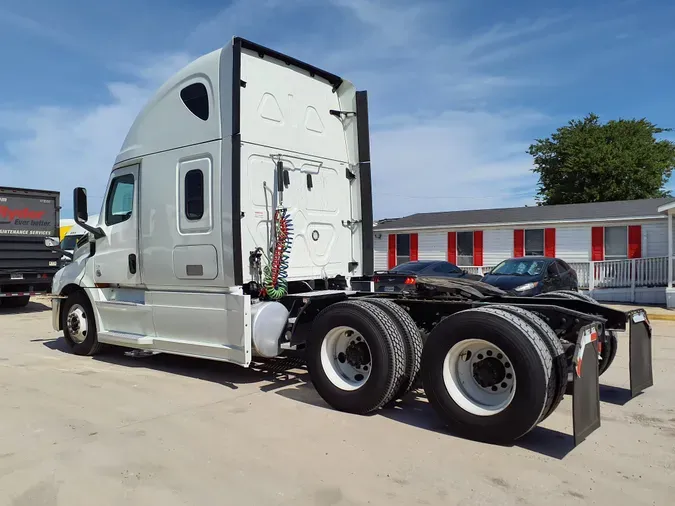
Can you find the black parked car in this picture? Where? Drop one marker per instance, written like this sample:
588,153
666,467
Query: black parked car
405,275
527,276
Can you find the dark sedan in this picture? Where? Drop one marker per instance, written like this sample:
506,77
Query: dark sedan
532,275
404,276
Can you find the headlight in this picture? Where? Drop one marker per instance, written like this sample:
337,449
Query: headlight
526,286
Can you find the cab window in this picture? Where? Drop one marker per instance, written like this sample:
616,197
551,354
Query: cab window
120,202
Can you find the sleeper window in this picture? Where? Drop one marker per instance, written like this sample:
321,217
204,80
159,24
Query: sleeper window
194,206
120,202
194,194
196,99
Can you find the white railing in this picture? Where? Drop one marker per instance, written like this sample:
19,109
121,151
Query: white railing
651,271
634,273
583,270
631,273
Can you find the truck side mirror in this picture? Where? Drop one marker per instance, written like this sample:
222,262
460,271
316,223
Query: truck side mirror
51,242
80,205
81,213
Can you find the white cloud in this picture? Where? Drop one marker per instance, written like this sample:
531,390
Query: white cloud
459,160
441,137
60,147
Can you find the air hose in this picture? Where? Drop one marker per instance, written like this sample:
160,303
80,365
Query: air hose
275,284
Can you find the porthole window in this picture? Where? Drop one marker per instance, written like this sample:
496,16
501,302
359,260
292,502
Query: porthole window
196,99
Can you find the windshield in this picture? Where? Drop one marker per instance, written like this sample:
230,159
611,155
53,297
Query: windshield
519,267
70,242
410,267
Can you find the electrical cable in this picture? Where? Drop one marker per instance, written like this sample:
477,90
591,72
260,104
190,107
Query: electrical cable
275,284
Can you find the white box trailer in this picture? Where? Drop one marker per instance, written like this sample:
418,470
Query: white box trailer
237,222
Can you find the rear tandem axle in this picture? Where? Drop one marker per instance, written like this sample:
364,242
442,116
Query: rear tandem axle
492,368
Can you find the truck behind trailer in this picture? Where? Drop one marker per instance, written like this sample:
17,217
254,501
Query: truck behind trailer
26,266
237,223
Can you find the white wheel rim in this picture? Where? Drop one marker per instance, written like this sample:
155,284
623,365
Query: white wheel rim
77,323
479,377
346,358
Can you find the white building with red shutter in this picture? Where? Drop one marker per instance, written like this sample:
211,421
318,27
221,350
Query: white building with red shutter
620,250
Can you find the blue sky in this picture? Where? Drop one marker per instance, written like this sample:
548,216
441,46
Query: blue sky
458,89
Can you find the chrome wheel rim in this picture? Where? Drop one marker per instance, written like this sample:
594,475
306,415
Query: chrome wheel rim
76,322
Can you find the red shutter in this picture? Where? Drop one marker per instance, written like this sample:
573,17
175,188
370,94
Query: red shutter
478,247
519,243
549,242
392,251
414,248
597,244
452,247
635,241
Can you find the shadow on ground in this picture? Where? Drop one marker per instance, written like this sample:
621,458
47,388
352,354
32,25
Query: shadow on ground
288,378
414,410
276,373
614,395
32,307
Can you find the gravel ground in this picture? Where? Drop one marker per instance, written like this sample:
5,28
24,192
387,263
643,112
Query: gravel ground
169,430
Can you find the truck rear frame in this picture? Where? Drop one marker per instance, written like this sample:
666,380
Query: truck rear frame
582,326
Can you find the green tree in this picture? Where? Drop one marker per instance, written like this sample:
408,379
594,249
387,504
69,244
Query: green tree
586,161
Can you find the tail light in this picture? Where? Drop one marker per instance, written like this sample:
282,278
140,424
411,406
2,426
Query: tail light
409,281
376,279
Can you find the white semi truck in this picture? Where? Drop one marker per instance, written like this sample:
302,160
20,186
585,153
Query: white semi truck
237,223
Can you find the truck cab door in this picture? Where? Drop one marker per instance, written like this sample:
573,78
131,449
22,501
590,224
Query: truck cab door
116,258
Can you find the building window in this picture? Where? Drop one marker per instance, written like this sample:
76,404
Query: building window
402,248
194,194
196,99
120,202
534,242
464,248
616,243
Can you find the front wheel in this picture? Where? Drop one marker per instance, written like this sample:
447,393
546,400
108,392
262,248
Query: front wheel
79,325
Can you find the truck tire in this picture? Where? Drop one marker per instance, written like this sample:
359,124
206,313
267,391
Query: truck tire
554,346
14,302
355,356
79,325
412,341
466,357
608,352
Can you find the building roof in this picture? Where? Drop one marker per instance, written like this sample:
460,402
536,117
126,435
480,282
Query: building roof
594,211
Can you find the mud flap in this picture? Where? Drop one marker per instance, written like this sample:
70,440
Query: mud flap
586,396
640,365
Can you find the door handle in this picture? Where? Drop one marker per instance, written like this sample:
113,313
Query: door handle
132,263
